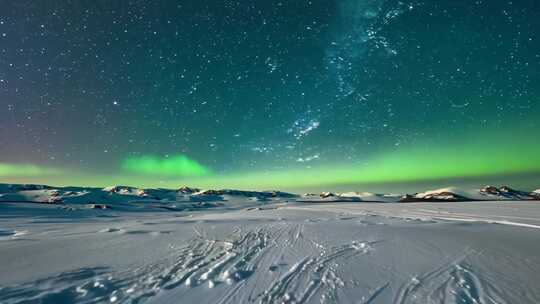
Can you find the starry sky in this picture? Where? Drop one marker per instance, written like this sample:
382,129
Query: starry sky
269,94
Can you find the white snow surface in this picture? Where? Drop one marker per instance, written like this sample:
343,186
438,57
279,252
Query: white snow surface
228,246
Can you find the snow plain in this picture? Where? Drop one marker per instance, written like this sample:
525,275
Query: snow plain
128,245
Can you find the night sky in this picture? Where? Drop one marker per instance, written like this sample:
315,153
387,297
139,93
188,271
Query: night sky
268,94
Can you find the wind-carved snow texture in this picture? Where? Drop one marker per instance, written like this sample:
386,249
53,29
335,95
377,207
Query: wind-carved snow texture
452,283
313,275
312,249
204,263
85,285
11,235
229,262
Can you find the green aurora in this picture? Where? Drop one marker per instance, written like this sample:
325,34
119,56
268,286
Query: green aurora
25,170
483,156
178,165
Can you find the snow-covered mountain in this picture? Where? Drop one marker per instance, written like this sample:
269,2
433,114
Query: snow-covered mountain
125,197
132,198
450,194
487,193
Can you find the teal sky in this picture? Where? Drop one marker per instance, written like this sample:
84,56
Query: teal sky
268,94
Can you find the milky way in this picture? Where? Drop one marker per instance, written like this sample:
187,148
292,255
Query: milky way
268,93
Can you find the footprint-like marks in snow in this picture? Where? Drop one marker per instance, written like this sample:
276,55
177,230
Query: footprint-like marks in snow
203,263
314,275
452,283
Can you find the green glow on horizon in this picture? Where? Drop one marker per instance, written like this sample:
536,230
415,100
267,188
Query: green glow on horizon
22,170
403,166
398,166
480,155
177,165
